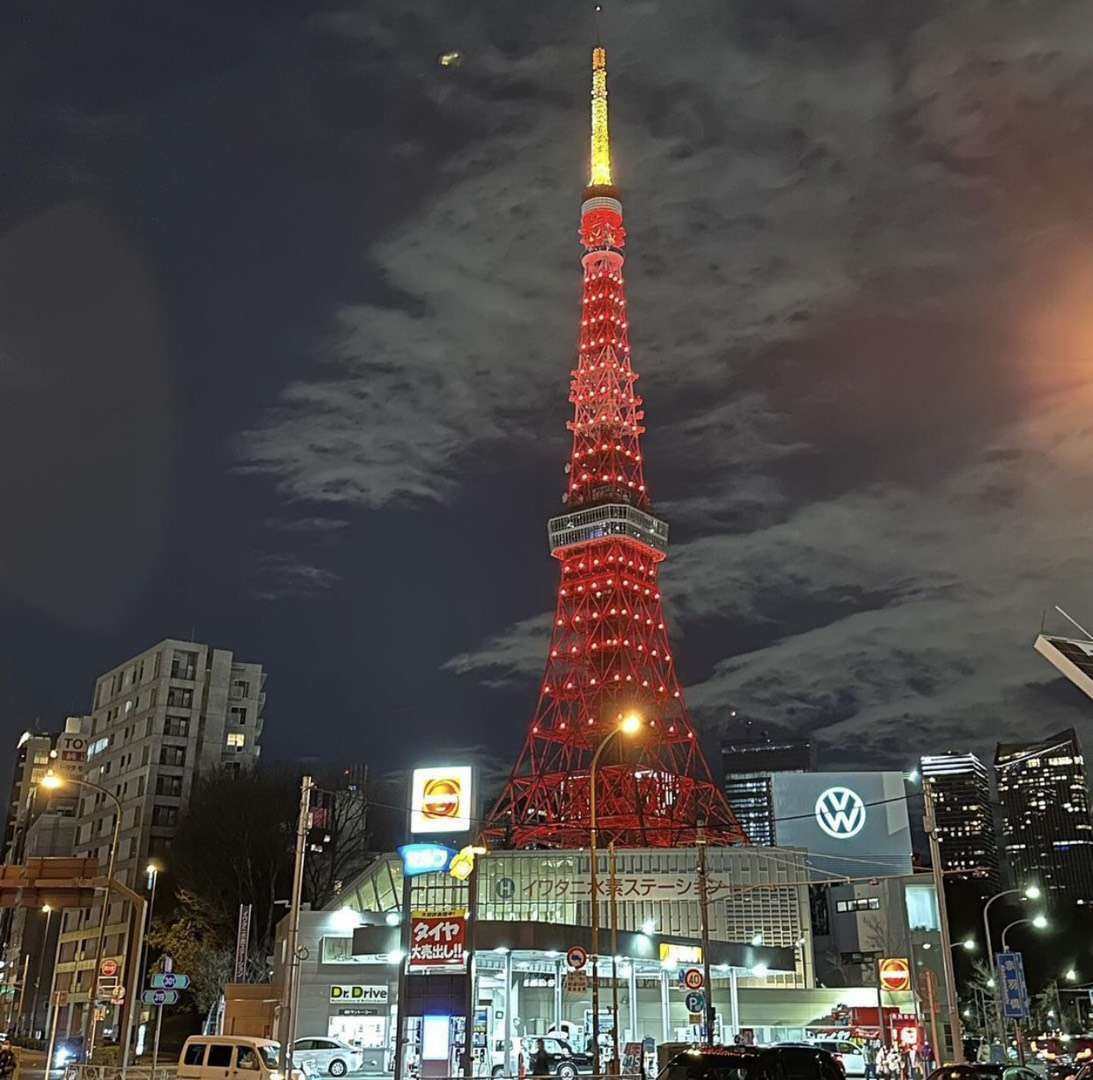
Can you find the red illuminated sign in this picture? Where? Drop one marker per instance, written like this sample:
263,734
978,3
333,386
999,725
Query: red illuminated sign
438,941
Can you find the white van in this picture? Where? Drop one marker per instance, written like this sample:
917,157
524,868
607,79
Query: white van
229,1057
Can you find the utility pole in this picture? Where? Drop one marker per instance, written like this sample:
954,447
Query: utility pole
615,1070
930,823
704,911
292,938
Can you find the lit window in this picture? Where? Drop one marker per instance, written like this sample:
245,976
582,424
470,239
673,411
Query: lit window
237,739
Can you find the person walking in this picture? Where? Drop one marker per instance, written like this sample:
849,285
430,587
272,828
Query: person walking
540,1060
869,1053
8,1061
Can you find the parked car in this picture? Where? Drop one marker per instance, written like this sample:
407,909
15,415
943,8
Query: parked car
321,1054
850,1054
565,1062
214,1057
974,1070
788,1061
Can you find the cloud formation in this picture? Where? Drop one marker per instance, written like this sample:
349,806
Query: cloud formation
857,285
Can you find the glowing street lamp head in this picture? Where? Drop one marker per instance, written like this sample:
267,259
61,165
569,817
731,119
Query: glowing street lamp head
51,781
968,944
1033,892
1040,922
1071,975
630,724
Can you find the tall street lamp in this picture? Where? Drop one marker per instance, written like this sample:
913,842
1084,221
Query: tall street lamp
1031,892
151,873
630,724
51,781
1037,921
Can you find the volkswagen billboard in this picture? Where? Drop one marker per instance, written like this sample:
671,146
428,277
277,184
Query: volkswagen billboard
851,824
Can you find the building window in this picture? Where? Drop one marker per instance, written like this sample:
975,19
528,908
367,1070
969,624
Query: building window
169,785
861,903
172,755
166,816
238,714
177,725
240,689
184,666
236,740
922,911
179,698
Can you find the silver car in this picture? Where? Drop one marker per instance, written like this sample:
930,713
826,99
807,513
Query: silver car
321,1054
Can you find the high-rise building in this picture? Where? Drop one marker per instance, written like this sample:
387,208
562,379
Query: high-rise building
1047,834
40,823
158,722
965,817
609,654
747,762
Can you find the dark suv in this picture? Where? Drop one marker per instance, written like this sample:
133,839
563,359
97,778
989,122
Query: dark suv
802,1062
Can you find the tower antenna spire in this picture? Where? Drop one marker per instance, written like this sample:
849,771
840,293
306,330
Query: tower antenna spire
599,172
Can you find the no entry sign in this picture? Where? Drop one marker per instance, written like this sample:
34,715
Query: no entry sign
895,973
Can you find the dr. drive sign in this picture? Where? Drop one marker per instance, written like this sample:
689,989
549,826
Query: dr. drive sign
358,994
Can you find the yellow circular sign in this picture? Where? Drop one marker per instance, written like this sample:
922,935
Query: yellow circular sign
895,974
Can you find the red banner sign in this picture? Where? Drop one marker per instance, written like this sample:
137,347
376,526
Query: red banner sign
437,941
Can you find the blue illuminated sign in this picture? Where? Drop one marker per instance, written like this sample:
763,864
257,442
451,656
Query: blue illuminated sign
425,858
1011,975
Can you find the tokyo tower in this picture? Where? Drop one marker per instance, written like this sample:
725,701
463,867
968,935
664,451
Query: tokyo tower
609,652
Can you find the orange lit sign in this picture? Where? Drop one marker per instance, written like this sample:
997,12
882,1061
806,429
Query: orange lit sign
440,800
895,973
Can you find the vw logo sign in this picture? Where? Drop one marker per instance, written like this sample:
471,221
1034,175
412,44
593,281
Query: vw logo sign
840,812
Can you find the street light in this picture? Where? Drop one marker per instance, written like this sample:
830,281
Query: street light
1039,922
152,872
630,724
1029,892
51,781
1070,975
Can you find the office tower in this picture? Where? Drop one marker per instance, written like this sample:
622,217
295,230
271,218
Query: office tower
1047,834
31,763
747,763
965,817
158,722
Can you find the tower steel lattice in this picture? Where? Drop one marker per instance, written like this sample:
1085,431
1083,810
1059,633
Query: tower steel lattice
609,651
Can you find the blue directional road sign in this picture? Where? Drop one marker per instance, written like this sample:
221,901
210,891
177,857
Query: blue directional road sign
160,997
1011,974
695,1002
169,980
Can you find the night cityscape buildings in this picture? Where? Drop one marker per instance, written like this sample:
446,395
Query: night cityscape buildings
609,655
747,763
158,721
964,812
1047,834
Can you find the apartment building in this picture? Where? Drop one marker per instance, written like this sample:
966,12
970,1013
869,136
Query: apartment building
159,720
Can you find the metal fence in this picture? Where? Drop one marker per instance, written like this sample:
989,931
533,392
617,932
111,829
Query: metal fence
115,1072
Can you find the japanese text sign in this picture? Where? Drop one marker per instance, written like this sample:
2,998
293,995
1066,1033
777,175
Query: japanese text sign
1011,975
437,941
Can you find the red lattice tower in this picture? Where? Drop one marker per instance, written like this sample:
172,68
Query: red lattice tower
609,652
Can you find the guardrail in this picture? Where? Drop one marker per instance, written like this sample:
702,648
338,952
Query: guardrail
115,1072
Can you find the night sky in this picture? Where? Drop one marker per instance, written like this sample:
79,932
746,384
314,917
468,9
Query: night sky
287,311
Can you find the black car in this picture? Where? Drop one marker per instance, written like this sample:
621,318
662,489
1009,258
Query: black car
786,1062
975,1070
564,1062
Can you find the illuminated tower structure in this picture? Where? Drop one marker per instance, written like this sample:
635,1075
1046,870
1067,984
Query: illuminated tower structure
609,651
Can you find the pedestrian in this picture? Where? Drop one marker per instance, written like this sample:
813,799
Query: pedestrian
540,1060
869,1053
927,1055
8,1061
882,1062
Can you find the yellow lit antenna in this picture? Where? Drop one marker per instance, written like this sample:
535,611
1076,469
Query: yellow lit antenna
600,168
